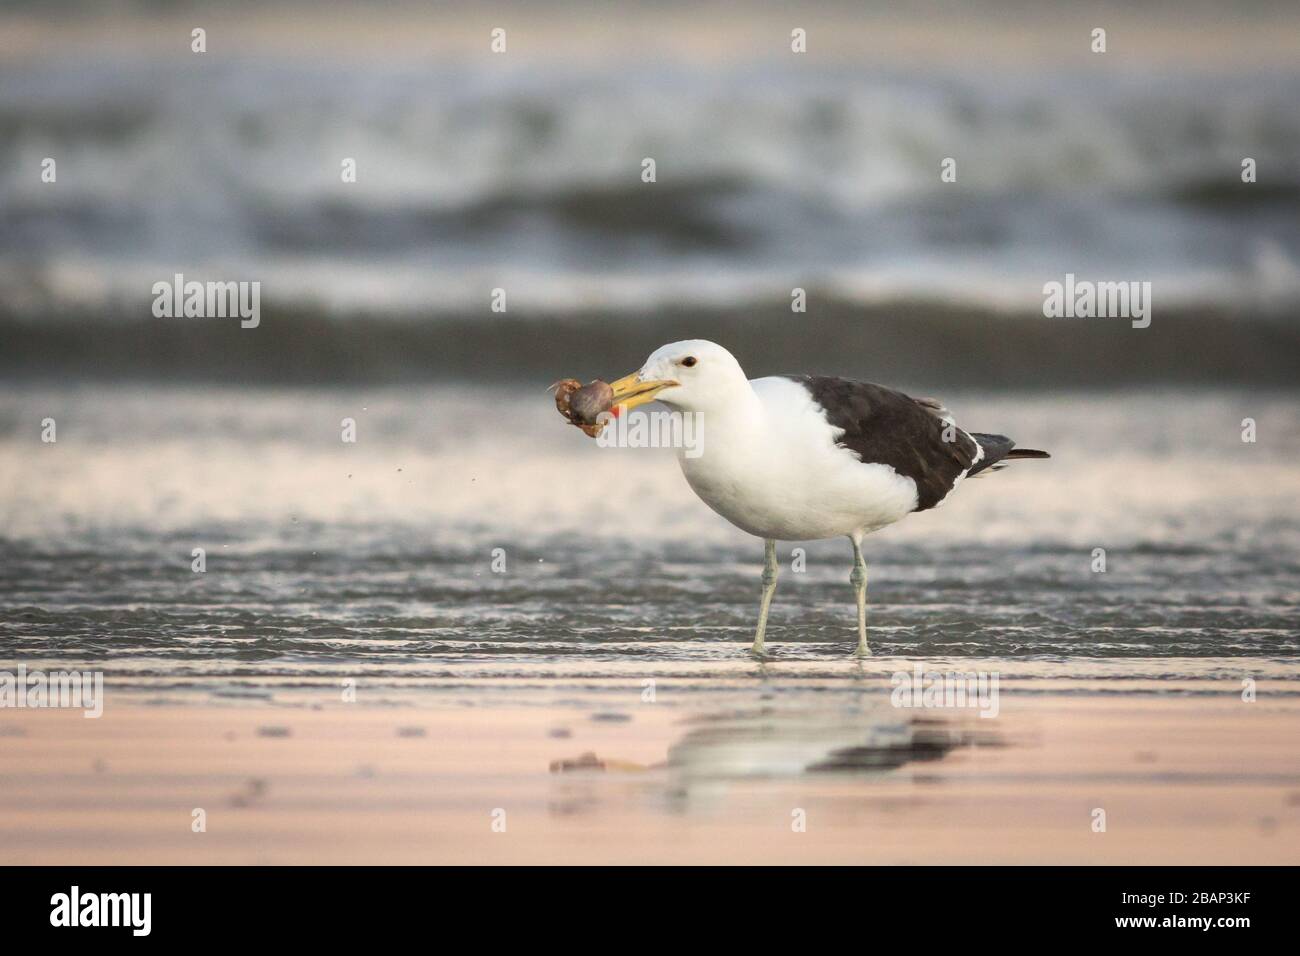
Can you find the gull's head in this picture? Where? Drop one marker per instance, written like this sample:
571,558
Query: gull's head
694,375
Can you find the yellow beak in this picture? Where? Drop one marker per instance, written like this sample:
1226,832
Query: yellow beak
629,392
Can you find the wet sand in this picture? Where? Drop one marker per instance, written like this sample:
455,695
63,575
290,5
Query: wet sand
1198,778
328,562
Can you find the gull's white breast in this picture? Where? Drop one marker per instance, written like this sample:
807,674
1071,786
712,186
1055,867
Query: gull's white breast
773,468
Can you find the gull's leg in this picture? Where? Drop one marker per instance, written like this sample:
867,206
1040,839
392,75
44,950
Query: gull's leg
859,581
769,588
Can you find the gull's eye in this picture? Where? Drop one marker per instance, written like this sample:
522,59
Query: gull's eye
689,361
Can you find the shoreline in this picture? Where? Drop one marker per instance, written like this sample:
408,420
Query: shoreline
929,345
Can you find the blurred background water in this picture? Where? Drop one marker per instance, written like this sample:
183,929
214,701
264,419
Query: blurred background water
775,170
522,171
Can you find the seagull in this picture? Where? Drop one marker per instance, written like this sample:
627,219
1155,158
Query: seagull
805,457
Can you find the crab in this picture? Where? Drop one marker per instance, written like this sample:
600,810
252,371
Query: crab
583,404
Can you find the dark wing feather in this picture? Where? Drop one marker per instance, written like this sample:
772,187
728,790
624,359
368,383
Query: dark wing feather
884,426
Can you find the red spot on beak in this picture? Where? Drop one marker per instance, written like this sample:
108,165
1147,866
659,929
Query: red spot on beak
616,411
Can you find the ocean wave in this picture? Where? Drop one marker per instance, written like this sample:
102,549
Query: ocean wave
767,177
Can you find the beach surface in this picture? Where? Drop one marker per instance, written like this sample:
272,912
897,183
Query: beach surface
392,640
1196,776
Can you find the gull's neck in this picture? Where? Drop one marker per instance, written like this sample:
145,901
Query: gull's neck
740,412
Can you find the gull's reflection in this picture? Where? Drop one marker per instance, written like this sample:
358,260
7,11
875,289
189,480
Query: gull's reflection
719,751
